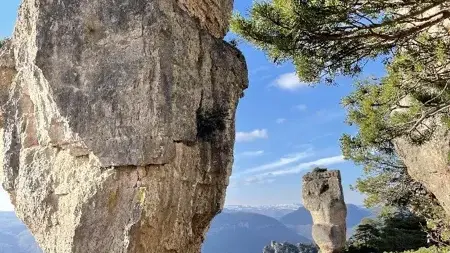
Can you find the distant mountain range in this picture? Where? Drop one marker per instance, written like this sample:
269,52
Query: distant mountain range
240,232
274,211
238,229
247,229
301,221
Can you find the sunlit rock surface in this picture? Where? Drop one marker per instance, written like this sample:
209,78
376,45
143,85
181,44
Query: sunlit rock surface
324,198
108,140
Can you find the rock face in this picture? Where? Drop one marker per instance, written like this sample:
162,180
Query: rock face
118,122
213,14
7,74
429,163
323,197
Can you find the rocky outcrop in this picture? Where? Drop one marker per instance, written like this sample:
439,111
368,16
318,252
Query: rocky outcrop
323,197
429,162
214,15
428,159
119,124
7,74
276,247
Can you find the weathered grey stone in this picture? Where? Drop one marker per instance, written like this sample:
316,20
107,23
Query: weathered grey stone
214,15
101,149
7,73
323,197
429,162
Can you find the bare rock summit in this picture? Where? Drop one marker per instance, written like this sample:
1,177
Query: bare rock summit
117,122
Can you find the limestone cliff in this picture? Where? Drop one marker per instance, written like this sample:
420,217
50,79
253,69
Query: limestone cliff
429,162
7,74
118,122
323,197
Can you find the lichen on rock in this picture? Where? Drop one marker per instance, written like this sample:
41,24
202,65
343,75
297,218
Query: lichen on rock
99,103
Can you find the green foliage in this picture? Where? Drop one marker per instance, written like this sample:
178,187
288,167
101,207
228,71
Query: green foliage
324,38
365,238
210,122
397,231
403,104
432,249
327,38
3,42
387,183
234,42
391,108
307,248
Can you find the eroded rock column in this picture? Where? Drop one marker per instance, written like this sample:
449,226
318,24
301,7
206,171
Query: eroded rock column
119,122
324,198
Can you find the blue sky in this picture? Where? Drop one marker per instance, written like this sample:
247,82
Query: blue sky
284,128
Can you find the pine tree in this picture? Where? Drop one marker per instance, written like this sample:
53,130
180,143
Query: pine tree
328,37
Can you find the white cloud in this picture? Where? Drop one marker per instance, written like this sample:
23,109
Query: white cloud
301,107
252,153
281,120
255,180
289,81
277,164
327,161
251,136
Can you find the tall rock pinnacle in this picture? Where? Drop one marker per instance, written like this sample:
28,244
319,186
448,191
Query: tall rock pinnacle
323,197
117,122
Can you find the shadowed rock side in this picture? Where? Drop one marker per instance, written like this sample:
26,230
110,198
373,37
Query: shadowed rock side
7,74
323,197
119,124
